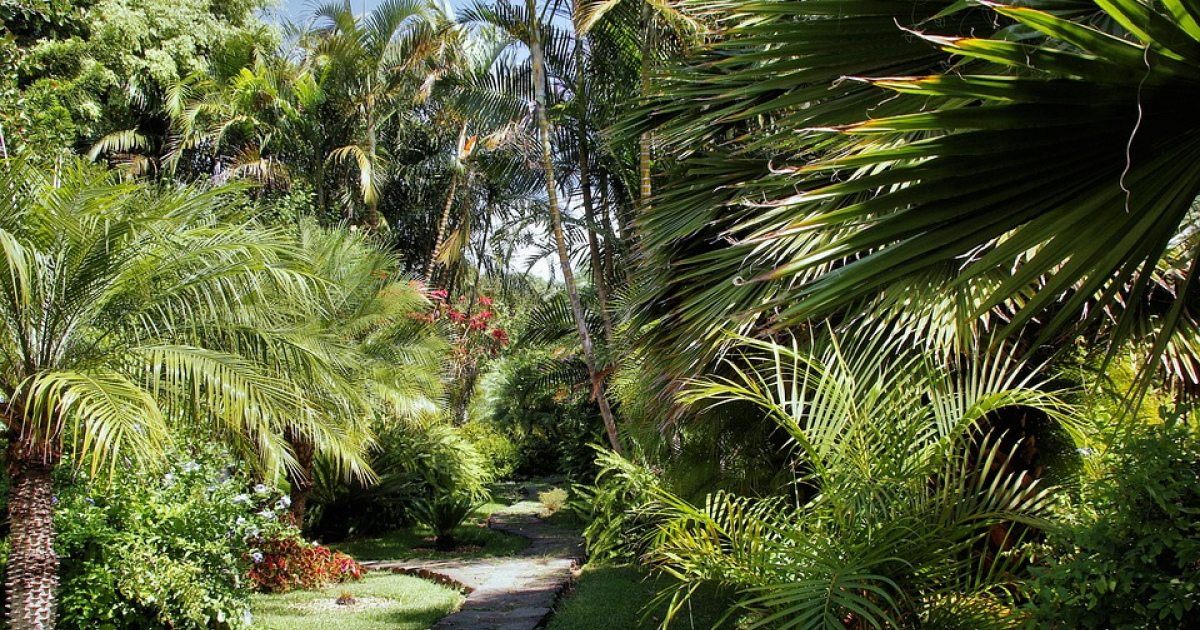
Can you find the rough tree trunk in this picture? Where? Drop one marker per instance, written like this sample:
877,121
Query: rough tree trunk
441,233
301,481
32,579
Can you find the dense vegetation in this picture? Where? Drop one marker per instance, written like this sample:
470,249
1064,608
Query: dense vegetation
862,313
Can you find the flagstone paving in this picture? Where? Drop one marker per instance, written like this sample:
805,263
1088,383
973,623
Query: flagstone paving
508,593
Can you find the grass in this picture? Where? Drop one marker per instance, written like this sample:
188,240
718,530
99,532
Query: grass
405,544
386,601
618,597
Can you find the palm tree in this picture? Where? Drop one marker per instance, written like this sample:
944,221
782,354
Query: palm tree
375,64
100,285
846,174
525,24
908,499
377,363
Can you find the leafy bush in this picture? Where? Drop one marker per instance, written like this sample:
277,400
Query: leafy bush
416,465
443,514
621,518
500,453
284,561
553,499
532,398
1131,559
146,551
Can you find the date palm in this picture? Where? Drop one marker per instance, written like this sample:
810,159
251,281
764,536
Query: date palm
377,364
100,285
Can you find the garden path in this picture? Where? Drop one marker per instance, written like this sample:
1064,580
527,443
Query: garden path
507,593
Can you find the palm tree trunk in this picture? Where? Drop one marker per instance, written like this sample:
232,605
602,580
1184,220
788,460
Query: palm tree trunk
585,186
32,579
441,233
644,189
300,480
539,88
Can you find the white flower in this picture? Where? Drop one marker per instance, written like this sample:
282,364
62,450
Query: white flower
284,502
169,478
241,498
267,514
260,489
240,521
189,467
256,557
247,618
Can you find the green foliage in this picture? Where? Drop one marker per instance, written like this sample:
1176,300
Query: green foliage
443,514
553,499
413,542
532,398
283,561
112,65
1130,557
159,550
902,487
619,509
499,452
417,465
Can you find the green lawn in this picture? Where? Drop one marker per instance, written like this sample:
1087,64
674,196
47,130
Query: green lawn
403,544
385,601
617,597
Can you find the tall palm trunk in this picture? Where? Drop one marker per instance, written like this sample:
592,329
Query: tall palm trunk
441,233
539,89
585,185
32,579
644,147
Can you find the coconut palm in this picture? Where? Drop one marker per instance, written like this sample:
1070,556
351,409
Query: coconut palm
1053,157
909,500
101,285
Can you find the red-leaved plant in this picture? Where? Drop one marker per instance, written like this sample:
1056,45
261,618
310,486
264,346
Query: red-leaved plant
286,562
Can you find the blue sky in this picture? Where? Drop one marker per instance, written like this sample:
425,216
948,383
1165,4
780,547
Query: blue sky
297,10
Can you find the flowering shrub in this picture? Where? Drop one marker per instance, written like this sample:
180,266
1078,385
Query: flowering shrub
472,328
158,550
285,561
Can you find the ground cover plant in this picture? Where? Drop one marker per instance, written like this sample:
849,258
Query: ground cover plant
381,601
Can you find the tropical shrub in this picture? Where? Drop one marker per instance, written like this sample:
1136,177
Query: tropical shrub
284,561
907,509
1129,558
621,509
417,464
443,514
500,453
159,550
531,399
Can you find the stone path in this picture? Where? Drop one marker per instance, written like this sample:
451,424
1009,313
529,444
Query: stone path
508,593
